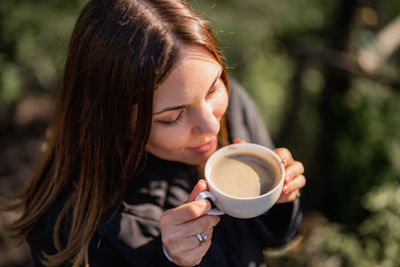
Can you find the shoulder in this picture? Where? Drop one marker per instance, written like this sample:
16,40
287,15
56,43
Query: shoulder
238,94
244,119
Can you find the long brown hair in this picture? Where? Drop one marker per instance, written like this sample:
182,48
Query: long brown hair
119,51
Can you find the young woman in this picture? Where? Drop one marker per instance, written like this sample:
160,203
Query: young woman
143,104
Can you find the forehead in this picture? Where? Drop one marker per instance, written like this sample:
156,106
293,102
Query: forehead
193,74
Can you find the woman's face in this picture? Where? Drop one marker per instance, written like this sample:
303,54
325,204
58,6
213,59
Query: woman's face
187,109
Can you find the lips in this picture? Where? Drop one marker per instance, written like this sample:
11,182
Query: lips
206,146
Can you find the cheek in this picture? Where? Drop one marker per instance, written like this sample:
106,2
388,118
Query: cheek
165,138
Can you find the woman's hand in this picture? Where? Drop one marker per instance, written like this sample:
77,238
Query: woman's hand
179,227
294,178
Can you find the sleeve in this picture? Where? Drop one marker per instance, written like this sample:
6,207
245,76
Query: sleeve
282,221
130,234
280,224
129,240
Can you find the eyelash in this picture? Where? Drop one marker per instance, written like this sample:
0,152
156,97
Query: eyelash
212,91
178,119
174,122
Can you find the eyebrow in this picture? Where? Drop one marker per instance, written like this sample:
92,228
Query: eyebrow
184,106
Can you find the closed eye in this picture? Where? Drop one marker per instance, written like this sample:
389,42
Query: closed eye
173,122
212,91
217,86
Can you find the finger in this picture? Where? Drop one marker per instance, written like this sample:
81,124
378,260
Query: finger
207,235
195,243
199,187
295,184
239,141
294,169
285,155
188,243
284,198
194,256
185,212
199,225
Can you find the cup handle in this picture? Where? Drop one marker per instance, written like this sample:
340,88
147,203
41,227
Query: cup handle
208,194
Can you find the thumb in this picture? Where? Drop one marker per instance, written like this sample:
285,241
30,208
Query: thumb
199,187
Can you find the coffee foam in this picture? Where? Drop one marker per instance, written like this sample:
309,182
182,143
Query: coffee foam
244,175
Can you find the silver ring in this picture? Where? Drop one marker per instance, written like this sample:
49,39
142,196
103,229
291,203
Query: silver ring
202,238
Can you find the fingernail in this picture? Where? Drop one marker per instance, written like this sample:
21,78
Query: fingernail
285,189
287,179
237,141
284,161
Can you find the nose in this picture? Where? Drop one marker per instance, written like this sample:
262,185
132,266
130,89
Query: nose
206,123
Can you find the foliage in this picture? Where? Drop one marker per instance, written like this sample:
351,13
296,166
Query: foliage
375,242
254,47
264,51
377,239
33,39
364,146
282,53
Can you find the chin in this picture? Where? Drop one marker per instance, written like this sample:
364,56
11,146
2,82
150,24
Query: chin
198,158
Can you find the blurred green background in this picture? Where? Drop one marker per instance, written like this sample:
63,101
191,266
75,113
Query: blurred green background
326,77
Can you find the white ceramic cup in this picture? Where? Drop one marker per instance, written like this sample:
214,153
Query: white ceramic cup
238,207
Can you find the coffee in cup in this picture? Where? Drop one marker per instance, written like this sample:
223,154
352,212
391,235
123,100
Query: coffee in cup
245,180
244,175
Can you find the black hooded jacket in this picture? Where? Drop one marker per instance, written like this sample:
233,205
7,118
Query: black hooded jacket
129,235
